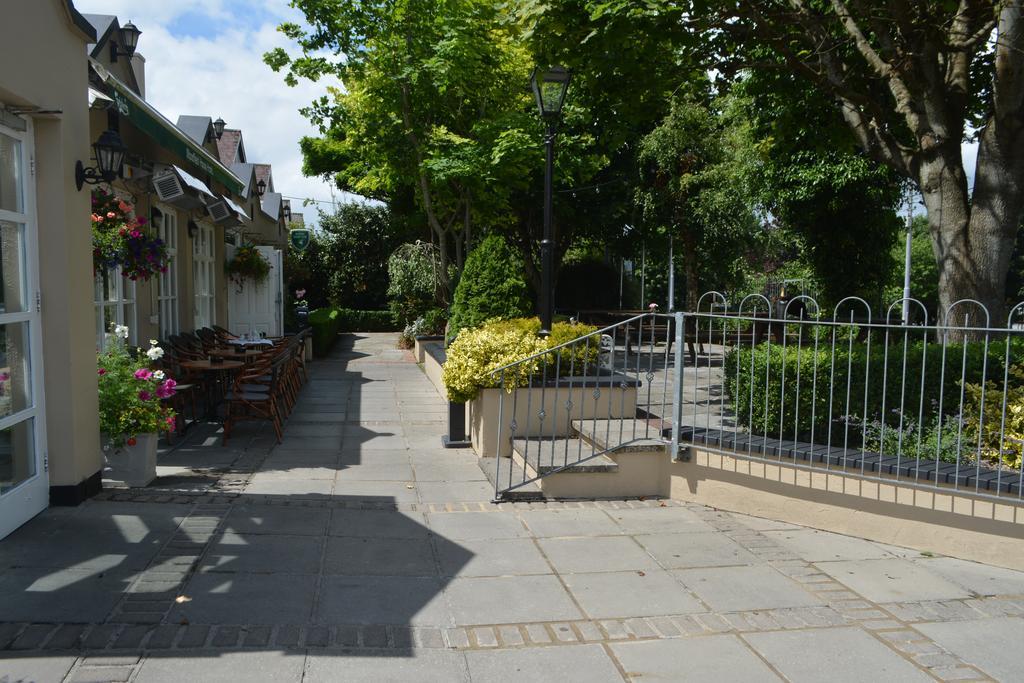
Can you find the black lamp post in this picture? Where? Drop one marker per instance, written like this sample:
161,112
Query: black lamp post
109,153
549,87
129,35
218,127
261,188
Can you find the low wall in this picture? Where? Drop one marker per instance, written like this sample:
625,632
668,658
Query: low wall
614,401
953,523
431,355
419,348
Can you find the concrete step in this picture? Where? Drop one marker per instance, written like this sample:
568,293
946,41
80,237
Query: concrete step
618,436
544,456
526,492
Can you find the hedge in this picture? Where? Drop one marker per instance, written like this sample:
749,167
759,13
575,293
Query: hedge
757,404
327,323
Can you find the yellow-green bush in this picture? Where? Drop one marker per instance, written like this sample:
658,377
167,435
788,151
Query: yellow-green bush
477,352
992,425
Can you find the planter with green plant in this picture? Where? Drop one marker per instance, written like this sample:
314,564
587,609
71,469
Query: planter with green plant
247,264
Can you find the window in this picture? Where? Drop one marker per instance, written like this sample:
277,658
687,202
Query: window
203,276
114,298
166,222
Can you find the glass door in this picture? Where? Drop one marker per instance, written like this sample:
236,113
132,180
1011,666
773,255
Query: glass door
23,480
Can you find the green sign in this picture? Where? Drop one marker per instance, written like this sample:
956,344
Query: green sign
300,238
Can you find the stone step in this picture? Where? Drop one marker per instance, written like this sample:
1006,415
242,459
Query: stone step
541,457
617,436
526,492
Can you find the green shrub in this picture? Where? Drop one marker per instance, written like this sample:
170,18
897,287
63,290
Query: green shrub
491,287
350,320
476,353
758,403
326,326
431,323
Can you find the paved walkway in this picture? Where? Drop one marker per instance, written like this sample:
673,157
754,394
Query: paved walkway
361,550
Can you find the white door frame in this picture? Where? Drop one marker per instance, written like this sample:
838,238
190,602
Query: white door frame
31,496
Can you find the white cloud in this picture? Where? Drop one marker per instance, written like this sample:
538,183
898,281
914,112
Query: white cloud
220,72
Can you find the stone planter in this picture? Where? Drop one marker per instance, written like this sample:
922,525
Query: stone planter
133,466
616,397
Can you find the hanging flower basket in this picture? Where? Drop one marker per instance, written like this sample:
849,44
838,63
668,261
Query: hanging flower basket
247,264
121,240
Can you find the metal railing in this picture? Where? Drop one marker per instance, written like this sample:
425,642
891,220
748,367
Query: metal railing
932,404
576,401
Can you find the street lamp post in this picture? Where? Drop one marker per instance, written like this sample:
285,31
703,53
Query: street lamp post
549,87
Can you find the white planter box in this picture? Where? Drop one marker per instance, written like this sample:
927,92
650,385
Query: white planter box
612,401
133,466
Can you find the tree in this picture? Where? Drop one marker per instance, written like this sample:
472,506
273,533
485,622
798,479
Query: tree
691,189
492,286
423,80
356,242
912,81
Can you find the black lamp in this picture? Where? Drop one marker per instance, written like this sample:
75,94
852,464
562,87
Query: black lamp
261,188
192,229
218,127
129,41
109,154
549,87
287,212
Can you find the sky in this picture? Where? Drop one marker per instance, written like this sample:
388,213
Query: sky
205,57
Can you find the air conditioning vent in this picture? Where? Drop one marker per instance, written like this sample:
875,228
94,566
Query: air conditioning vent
219,211
168,187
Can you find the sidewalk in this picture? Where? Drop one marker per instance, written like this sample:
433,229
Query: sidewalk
359,549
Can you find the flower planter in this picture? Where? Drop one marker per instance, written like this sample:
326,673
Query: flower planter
133,466
615,397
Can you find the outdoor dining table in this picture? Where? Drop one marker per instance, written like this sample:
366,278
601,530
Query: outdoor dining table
247,355
220,368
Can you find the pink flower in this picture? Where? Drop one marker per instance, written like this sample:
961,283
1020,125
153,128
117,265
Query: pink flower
166,390
171,422
143,373
145,395
101,371
111,214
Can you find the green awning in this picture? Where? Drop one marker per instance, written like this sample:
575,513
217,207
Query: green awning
150,121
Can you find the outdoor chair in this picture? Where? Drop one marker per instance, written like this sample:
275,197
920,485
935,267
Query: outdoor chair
244,402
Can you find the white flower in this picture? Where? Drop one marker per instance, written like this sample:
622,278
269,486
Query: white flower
155,353
158,374
152,342
121,331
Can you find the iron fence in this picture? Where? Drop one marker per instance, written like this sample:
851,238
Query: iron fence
936,404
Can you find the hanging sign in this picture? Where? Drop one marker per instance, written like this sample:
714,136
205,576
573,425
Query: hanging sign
299,238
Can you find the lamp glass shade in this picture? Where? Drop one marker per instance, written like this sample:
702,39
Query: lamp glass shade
218,127
129,38
261,187
109,151
549,88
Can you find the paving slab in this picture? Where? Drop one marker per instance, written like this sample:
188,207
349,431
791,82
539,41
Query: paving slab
491,557
380,557
552,523
631,594
458,471
246,599
712,658
680,551
839,654
34,668
605,554
455,491
396,600
372,471
667,520
354,456
821,546
60,595
377,491
979,579
378,524
461,526
277,519
264,554
537,665
742,589
893,580
992,645
285,487
416,666
509,599
223,667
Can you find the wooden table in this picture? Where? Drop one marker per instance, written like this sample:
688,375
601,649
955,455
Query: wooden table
246,355
206,366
